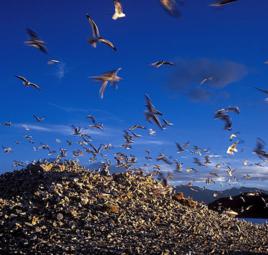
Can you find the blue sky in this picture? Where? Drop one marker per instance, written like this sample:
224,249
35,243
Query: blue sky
229,42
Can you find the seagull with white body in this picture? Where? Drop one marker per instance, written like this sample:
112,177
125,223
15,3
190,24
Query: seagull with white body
232,136
27,83
178,165
111,76
7,149
35,41
222,3
151,131
171,7
53,61
118,10
206,80
96,35
230,171
160,63
232,149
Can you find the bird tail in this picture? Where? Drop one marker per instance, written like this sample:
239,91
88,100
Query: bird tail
118,15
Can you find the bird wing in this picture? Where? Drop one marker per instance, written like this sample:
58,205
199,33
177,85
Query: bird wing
117,70
92,118
204,81
263,90
222,3
21,78
169,63
34,85
233,109
179,147
95,30
42,47
157,121
157,64
103,88
110,74
36,118
226,1
31,33
228,122
107,42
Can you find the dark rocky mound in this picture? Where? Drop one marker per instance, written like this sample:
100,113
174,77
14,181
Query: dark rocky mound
66,209
247,205
207,195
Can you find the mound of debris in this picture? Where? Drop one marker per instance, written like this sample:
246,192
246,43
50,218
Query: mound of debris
67,209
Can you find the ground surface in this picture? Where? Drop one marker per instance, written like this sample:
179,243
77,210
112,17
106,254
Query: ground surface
66,209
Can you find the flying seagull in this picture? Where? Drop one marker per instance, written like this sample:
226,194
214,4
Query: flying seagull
35,41
259,150
206,79
180,148
105,78
232,136
96,35
159,63
7,124
171,7
230,171
38,119
53,61
222,114
7,149
232,149
222,3
118,10
152,113
151,131
27,83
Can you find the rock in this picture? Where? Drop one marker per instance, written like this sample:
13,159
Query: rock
246,205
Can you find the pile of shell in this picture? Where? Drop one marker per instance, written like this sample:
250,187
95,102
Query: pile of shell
66,209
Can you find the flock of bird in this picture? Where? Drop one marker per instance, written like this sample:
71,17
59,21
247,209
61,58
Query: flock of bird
202,157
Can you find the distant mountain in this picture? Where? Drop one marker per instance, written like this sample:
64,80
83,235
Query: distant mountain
208,196
247,205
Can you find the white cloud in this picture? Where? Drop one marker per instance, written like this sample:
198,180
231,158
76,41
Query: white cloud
61,70
67,130
143,141
189,73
